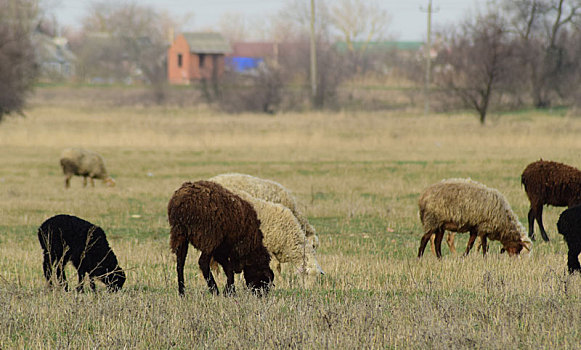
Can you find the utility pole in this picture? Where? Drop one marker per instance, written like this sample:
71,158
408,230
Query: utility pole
428,61
313,55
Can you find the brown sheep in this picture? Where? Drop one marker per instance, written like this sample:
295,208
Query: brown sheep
550,183
222,226
85,163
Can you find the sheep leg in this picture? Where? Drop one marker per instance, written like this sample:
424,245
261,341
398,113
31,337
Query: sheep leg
81,273
229,290
432,244
47,268
84,181
531,224
450,240
423,242
92,181
277,264
573,260
539,215
181,253
62,277
438,242
204,263
68,181
484,245
229,271
471,240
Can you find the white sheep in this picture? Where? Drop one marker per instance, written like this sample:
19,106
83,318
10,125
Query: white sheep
270,191
284,237
463,205
85,163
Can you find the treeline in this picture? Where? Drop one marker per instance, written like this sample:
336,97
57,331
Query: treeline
511,54
514,54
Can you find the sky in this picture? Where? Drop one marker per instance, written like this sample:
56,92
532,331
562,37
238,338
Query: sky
408,17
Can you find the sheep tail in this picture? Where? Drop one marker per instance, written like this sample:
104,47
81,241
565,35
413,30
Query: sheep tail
177,238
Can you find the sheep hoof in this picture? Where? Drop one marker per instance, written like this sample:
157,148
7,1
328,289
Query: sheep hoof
229,291
214,290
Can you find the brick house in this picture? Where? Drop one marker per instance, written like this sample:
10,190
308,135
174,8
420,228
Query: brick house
196,56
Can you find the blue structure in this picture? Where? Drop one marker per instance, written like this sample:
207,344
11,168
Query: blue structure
243,64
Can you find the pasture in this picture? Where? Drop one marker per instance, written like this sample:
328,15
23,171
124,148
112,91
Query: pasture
357,176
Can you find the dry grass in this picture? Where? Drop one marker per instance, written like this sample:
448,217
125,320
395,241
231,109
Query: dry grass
358,177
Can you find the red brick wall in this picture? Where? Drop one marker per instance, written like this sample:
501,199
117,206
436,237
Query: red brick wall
175,73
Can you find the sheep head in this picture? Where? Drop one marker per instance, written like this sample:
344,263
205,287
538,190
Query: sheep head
109,181
259,280
524,246
114,280
312,270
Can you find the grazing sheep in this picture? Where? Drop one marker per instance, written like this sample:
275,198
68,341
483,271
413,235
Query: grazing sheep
463,205
65,238
550,183
222,226
283,235
269,191
569,226
85,163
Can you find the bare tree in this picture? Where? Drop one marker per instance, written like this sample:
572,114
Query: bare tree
293,23
541,27
17,61
234,27
475,62
126,40
359,22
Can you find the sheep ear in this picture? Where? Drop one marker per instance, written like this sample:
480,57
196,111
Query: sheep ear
526,245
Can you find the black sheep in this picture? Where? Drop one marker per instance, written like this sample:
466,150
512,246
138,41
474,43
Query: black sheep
569,226
550,183
65,238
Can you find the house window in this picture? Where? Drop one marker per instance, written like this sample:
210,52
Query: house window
180,60
202,57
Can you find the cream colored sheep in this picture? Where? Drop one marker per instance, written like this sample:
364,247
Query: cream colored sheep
85,163
270,191
463,205
283,235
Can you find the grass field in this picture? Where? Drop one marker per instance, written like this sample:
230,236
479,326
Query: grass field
357,176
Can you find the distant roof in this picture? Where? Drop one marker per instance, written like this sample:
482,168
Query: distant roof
207,43
265,49
253,49
383,45
50,49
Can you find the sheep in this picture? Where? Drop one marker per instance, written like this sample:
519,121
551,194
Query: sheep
85,163
284,237
463,205
549,183
569,225
222,226
270,191
65,238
